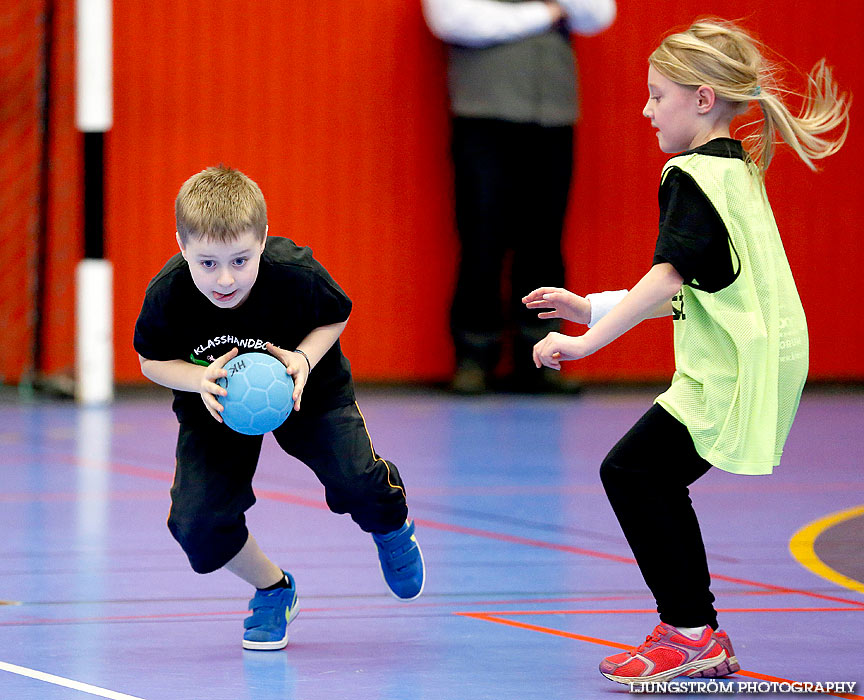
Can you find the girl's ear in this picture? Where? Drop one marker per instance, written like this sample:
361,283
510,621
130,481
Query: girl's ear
705,99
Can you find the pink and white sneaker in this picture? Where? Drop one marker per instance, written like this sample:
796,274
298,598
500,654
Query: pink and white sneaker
724,669
667,654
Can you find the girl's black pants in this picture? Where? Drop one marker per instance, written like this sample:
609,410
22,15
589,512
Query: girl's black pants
646,476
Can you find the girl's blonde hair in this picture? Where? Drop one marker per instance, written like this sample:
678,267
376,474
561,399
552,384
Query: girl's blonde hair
724,57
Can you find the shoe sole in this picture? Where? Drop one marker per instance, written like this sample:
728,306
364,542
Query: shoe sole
731,666
694,669
278,644
727,668
422,585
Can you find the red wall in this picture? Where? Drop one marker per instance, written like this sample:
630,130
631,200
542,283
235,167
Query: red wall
20,140
338,110
21,29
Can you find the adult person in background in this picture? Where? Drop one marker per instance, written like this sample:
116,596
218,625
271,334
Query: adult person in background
513,99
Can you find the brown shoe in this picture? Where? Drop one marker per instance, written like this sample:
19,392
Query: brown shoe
469,378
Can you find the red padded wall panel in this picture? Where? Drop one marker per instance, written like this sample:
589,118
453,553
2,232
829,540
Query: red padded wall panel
338,110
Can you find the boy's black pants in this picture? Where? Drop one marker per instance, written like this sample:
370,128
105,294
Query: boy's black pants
646,476
215,465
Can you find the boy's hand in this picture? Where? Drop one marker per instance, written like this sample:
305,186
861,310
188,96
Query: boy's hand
296,365
564,304
210,389
555,348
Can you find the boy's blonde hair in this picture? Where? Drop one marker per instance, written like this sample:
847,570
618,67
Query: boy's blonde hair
724,57
220,204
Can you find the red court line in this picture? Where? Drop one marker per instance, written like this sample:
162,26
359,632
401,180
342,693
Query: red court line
115,618
134,618
164,476
151,473
654,610
354,608
431,524
68,496
615,645
783,589
515,539
763,677
118,467
545,630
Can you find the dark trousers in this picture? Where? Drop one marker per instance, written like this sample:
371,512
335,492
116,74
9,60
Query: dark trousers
512,183
213,480
646,476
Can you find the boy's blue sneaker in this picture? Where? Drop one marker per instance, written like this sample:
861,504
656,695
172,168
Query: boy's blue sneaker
401,561
272,612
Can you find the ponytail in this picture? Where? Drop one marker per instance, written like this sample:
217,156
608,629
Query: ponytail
824,110
723,56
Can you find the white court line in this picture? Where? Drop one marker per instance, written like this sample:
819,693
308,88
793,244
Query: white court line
65,682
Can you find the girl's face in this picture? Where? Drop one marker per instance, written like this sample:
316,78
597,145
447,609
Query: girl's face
674,110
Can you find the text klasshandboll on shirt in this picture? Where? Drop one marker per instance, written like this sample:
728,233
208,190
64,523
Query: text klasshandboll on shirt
293,295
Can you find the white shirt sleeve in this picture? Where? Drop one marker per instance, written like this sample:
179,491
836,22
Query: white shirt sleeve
479,23
588,16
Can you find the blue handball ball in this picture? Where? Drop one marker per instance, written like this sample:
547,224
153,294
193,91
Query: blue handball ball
259,393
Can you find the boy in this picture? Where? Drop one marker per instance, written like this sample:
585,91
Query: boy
232,287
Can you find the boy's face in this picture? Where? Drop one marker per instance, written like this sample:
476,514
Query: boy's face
224,272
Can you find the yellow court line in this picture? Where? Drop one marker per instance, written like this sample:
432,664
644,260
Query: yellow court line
801,547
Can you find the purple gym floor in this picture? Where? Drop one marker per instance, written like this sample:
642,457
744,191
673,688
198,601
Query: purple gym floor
529,580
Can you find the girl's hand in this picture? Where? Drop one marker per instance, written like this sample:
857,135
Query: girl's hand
296,365
209,389
555,348
564,304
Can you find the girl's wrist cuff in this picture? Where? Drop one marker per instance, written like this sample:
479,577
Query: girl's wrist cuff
603,302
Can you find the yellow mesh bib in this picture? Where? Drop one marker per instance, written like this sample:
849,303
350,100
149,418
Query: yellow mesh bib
741,354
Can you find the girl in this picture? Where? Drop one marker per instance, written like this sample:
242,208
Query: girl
741,349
